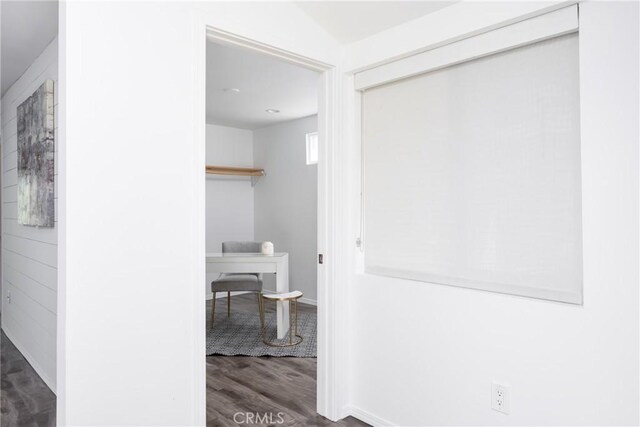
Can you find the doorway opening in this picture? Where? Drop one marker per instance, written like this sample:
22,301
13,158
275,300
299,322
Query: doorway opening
264,156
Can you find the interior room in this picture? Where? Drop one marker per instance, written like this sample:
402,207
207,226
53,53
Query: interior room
301,213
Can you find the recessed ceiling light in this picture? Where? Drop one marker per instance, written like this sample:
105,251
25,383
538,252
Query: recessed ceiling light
272,111
232,89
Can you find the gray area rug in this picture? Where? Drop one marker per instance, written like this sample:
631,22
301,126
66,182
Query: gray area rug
239,335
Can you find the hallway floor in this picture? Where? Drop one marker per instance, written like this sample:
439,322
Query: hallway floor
25,400
242,387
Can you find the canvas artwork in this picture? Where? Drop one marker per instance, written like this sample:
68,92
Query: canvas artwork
36,158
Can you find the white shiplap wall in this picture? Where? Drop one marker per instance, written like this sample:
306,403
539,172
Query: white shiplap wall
29,254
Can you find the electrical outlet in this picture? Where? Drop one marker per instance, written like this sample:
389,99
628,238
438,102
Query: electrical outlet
500,398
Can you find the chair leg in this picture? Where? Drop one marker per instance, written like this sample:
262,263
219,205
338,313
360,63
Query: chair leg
213,309
290,323
228,303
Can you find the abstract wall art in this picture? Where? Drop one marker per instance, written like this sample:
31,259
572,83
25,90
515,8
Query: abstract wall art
36,158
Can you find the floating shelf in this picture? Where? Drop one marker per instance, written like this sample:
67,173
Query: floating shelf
255,174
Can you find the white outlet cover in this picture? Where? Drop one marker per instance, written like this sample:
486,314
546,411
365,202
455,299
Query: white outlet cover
500,398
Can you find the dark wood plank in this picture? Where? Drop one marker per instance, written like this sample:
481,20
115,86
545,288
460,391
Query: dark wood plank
25,400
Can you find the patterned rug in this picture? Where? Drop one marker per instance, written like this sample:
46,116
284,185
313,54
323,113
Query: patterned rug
239,335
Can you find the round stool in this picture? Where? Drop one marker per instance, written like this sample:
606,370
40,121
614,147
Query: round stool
292,298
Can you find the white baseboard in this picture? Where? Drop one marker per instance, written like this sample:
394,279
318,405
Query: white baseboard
368,417
309,301
36,367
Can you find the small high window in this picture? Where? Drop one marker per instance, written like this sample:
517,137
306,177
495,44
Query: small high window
312,148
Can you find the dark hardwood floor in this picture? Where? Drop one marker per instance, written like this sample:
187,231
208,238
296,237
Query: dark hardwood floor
25,400
279,390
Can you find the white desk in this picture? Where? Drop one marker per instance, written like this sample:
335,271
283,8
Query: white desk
277,263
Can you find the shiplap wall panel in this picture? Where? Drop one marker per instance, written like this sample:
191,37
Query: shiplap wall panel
47,297
46,235
37,312
29,254
9,194
10,160
42,273
10,210
10,178
45,253
10,142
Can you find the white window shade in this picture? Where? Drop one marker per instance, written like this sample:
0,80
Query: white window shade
472,174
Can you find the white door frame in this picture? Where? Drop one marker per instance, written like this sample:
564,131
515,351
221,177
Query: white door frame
330,367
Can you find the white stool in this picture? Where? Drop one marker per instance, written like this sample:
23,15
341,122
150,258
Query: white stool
292,298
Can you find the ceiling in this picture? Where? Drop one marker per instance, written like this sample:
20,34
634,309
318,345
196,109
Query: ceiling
263,83
27,28
349,21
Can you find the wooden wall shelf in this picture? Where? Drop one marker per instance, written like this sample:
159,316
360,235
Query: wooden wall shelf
228,170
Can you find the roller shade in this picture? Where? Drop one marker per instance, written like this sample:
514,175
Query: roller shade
472,174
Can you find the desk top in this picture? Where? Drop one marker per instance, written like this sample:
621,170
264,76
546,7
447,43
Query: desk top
245,257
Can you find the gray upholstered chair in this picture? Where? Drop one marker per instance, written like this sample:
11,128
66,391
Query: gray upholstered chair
234,282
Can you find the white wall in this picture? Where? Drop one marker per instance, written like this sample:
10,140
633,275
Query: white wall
132,225
286,200
134,170
229,199
29,254
443,346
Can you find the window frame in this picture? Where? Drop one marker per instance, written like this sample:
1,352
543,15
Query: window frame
309,141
